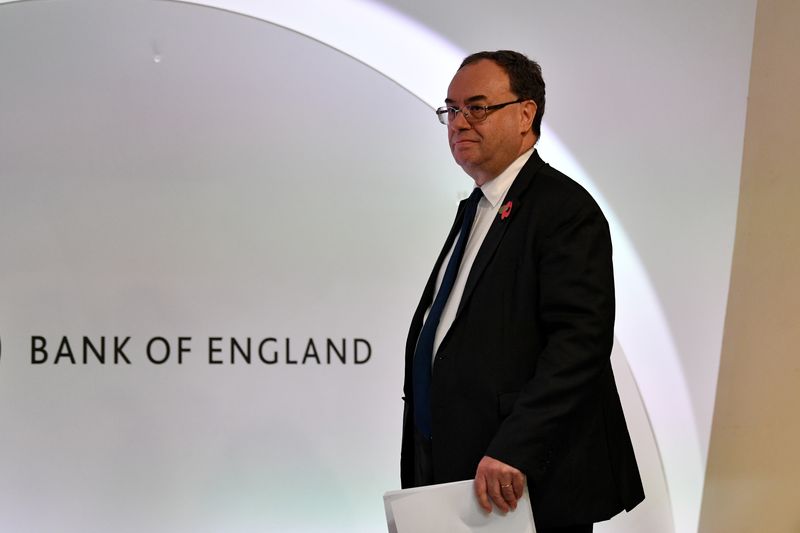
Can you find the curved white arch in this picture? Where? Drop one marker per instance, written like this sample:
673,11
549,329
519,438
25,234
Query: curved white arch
422,62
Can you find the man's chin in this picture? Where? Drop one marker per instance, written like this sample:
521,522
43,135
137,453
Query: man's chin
464,156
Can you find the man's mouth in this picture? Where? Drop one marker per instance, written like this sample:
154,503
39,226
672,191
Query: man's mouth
463,142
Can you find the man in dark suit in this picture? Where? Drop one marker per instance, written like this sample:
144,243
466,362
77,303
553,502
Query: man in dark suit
508,377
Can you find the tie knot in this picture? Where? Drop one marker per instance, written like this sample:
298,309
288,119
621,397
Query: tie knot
476,196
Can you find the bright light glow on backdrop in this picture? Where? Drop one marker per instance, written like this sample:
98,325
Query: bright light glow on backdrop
234,181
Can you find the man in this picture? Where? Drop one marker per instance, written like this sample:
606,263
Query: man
508,377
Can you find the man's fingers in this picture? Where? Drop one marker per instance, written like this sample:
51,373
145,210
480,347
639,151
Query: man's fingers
481,493
519,484
507,490
497,496
501,483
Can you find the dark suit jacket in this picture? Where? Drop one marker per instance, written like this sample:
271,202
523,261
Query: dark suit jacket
523,375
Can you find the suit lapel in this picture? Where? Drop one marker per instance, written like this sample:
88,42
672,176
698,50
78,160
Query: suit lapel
499,226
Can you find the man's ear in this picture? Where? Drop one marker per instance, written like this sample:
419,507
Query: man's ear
526,118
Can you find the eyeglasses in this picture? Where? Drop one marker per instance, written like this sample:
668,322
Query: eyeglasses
473,113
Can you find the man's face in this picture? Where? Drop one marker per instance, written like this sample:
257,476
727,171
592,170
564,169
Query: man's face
485,148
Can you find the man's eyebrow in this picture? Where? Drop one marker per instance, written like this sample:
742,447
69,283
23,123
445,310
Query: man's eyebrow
469,100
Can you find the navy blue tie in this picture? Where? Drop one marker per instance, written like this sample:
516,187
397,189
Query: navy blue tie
423,355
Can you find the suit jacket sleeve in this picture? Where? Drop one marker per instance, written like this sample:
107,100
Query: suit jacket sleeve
575,318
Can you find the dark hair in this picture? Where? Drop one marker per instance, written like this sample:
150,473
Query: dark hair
524,75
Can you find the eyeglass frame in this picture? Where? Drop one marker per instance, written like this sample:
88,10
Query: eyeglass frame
443,111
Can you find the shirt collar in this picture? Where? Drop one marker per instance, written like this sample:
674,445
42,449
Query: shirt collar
495,189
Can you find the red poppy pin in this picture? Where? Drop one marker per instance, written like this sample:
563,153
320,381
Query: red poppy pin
505,210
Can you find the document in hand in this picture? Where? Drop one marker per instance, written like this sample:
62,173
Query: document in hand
452,507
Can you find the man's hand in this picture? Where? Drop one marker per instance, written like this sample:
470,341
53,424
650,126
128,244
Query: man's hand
501,483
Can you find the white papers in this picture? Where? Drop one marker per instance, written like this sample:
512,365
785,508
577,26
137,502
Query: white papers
452,507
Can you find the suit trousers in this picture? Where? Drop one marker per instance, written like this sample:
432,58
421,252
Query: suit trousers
568,529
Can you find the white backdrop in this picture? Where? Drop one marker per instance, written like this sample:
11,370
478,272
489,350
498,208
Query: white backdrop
169,170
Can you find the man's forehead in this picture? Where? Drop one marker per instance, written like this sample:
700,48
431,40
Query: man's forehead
481,80
469,99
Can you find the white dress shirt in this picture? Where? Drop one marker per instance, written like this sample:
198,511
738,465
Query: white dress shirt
494,192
